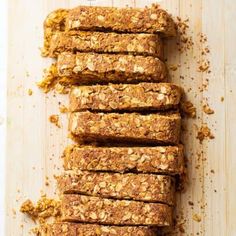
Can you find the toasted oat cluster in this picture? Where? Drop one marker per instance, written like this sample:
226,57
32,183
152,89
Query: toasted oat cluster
80,208
125,97
105,68
131,127
87,41
79,229
143,187
132,20
161,159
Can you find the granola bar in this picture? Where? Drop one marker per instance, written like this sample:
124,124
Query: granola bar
95,67
131,97
143,187
146,20
80,208
133,127
84,41
161,159
78,229
54,22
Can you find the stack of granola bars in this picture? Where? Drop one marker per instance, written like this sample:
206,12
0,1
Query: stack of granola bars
120,178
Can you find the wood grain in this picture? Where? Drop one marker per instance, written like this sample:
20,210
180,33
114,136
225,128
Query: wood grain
34,145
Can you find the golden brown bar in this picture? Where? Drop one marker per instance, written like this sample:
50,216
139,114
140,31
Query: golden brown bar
80,208
127,97
84,41
132,20
54,22
105,68
128,127
161,159
78,229
141,187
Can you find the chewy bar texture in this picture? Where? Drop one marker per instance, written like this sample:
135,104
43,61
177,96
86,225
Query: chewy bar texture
132,20
78,229
84,41
142,187
105,68
80,208
132,127
130,97
161,159
54,22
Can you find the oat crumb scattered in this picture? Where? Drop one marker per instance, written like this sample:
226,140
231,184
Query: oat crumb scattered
197,218
44,209
173,67
63,109
204,132
204,66
55,120
222,99
190,203
30,92
188,109
207,109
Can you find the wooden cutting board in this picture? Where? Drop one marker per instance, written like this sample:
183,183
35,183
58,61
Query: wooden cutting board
34,145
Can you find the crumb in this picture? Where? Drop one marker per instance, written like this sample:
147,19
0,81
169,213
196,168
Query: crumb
188,109
55,120
212,171
204,132
184,42
196,218
30,92
44,209
173,67
63,109
46,183
204,66
14,212
222,99
207,109
190,203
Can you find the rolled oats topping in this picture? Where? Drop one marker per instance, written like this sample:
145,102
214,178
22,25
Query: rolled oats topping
161,159
143,187
131,97
78,229
85,41
132,20
81,208
96,67
131,127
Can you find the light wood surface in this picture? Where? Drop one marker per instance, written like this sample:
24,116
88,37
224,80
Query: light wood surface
34,145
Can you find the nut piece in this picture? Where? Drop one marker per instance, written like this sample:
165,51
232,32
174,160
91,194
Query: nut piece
132,20
80,208
128,127
143,187
94,67
162,159
73,229
84,41
131,97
